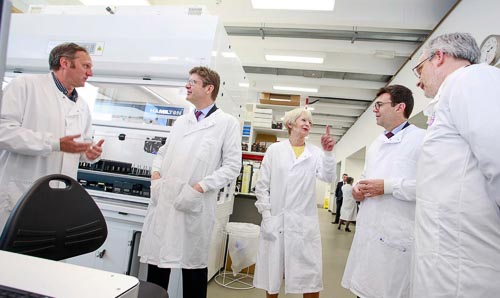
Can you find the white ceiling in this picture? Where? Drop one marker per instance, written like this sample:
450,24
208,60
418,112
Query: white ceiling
356,39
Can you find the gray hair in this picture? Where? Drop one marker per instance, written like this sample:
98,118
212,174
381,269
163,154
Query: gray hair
458,45
293,115
67,50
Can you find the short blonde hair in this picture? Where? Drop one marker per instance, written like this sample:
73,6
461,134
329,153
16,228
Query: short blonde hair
292,116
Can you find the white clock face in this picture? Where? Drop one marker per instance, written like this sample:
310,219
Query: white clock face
489,50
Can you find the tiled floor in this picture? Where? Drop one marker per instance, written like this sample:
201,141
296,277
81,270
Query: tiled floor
336,245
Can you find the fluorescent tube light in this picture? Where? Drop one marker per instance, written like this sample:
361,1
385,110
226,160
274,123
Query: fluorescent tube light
115,2
279,99
244,85
326,5
385,54
156,95
299,59
298,89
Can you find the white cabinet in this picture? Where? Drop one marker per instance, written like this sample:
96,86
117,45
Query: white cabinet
258,121
114,254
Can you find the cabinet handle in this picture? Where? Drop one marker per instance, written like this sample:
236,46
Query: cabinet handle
100,254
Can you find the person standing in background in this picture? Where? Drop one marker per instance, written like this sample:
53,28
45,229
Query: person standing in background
45,127
290,240
349,207
378,265
339,196
457,222
202,155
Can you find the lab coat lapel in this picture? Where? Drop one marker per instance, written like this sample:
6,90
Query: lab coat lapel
397,138
303,157
195,125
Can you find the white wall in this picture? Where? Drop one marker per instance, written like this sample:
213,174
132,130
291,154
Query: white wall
322,191
354,168
478,17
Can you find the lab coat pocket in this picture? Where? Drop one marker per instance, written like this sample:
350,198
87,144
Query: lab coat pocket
311,228
14,191
270,228
397,233
74,125
9,197
189,200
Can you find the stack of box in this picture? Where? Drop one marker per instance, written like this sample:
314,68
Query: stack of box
246,179
262,118
246,130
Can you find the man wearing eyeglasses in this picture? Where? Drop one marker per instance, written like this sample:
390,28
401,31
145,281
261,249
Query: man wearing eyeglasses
202,155
457,220
379,261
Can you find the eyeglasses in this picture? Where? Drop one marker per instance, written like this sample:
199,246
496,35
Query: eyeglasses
194,82
378,104
418,68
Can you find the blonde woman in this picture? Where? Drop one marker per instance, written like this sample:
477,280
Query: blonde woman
290,240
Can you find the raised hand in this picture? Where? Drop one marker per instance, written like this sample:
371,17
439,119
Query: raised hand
68,144
327,141
95,150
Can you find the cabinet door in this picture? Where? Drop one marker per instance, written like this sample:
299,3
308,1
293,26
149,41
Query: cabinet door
114,254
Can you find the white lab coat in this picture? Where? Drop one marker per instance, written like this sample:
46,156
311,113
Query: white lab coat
349,208
457,228
379,261
290,238
178,225
35,115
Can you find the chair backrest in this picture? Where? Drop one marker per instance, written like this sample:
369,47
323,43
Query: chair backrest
54,222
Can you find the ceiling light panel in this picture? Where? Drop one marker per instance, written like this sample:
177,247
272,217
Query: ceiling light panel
297,89
298,59
322,5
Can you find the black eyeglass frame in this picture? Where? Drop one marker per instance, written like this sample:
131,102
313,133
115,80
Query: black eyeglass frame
417,69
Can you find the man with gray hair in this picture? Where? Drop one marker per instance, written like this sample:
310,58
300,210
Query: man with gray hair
45,127
457,223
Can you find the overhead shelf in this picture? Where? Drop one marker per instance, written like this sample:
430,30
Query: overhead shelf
276,107
280,133
259,156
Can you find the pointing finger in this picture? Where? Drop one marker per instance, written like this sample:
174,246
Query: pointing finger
328,130
99,144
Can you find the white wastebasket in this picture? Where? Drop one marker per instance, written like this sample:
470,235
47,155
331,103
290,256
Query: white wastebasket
242,245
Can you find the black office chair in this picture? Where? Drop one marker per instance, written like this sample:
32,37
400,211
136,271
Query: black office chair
57,223
54,223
